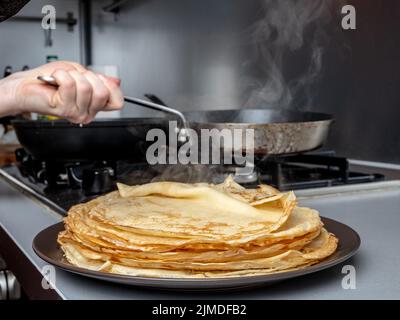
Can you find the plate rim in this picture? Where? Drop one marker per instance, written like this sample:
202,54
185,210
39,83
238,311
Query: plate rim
242,280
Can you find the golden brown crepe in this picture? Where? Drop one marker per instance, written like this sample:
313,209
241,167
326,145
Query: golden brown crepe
317,250
169,208
168,229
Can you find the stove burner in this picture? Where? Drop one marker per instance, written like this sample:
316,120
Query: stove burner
98,180
93,178
312,170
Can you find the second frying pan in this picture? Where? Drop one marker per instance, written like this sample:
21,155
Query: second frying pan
276,132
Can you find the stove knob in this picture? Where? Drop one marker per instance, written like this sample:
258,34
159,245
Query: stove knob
98,181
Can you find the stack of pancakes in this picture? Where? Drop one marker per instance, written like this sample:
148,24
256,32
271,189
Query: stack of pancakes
176,230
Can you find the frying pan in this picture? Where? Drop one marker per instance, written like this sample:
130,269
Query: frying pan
117,139
8,8
276,132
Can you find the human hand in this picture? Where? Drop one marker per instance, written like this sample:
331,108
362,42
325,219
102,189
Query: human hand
80,95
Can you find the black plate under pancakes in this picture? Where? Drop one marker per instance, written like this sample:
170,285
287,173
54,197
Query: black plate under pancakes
46,247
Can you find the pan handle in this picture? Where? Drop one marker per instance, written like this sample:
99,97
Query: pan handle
143,103
158,107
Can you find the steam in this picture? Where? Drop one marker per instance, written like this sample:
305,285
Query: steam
288,29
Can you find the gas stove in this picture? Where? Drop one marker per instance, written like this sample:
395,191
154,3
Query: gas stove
60,185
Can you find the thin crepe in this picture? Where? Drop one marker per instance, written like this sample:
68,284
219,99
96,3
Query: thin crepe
322,247
301,222
178,210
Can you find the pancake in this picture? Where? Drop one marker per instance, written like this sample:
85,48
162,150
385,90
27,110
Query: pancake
176,230
320,248
170,209
232,254
301,222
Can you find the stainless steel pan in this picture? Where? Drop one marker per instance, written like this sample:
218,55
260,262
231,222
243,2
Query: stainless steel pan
276,131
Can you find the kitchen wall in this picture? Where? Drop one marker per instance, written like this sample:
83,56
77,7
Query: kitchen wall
187,52
23,43
361,85
203,55
212,54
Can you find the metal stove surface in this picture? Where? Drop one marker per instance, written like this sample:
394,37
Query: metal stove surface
59,200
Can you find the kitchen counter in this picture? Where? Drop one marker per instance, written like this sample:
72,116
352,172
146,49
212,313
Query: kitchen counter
375,215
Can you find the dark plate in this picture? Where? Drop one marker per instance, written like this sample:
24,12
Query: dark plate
46,247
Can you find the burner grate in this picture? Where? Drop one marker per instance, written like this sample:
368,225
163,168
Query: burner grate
307,171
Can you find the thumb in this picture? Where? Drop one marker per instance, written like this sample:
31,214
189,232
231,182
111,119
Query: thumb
37,97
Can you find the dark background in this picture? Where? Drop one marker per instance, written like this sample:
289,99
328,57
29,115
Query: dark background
360,84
